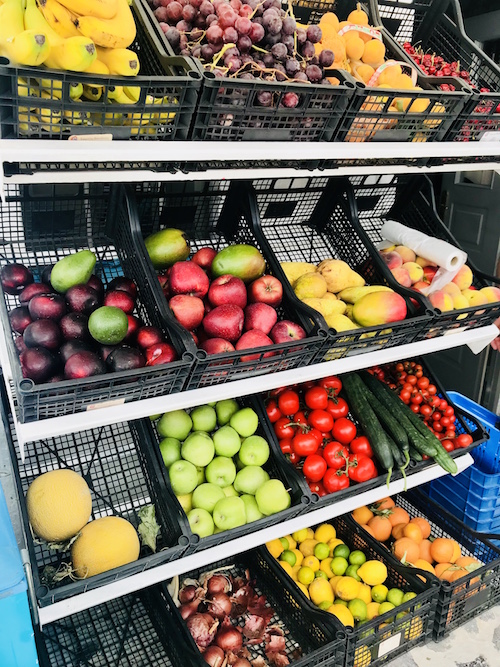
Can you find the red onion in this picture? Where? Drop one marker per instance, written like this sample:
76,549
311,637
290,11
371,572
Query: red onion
189,608
214,655
220,605
229,639
218,583
241,662
187,594
202,629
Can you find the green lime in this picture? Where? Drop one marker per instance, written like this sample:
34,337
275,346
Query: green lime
357,557
284,543
401,614
326,604
305,575
352,571
108,325
319,574
321,551
341,550
395,596
379,593
384,608
358,609
339,565
409,596
289,557
339,601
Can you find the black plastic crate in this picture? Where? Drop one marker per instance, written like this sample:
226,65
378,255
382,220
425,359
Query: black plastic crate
173,81
216,214
385,637
437,26
41,224
309,641
311,219
411,201
465,423
275,466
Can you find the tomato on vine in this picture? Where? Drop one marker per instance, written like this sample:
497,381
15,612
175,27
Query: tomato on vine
314,467
335,455
335,480
344,430
337,407
321,419
288,402
316,398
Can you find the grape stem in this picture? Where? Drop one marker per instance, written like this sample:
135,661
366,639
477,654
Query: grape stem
216,59
253,13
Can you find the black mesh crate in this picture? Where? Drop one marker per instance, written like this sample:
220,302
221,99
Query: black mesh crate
309,640
277,469
312,219
123,475
465,423
216,214
40,225
437,27
385,637
411,201
166,90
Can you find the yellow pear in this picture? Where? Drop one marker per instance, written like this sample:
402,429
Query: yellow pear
310,285
339,275
352,294
329,296
293,270
326,306
341,323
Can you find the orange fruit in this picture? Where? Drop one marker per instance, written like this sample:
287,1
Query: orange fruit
457,574
381,527
358,16
412,531
465,561
384,504
329,18
423,524
362,515
442,550
425,551
457,552
369,530
397,531
398,515
439,568
424,565
406,548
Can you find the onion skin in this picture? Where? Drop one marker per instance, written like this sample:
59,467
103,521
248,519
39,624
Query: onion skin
202,628
229,639
218,583
214,656
219,605
188,609
241,662
187,594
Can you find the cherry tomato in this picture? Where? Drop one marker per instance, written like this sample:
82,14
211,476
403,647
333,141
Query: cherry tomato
415,408
332,384
445,421
294,458
321,419
436,417
432,389
317,487
412,380
361,468
283,429
305,443
314,467
435,401
464,440
316,398
278,391
344,430
405,396
449,433
300,418
449,412
425,410
448,445
288,402
361,445
337,408
443,405
273,412
286,445
417,399
408,387
438,427
423,383
335,480
335,455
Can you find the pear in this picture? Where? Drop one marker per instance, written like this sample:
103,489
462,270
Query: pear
341,323
310,285
293,270
339,275
326,306
72,270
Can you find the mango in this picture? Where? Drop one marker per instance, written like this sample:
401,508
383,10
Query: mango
441,301
339,275
329,296
459,301
475,297
72,270
326,306
310,286
293,270
379,308
167,247
353,294
463,278
491,293
402,276
240,260
341,323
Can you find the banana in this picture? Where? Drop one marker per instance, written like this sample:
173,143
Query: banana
75,91
28,123
119,61
11,20
116,94
101,9
60,19
134,93
93,93
76,117
75,54
116,33
35,20
111,119
98,67
18,42
165,117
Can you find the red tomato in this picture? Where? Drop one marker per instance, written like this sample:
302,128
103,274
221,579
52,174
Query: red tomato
337,408
278,391
405,396
286,445
288,402
300,418
283,429
435,401
412,380
361,445
318,435
316,398
344,430
448,445
423,383
443,405
445,421
317,487
438,427
432,389
449,412
335,454
415,408
425,410
464,440
273,412
417,399
321,419
305,443
361,468
332,384
436,417
294,458
335,480
314,467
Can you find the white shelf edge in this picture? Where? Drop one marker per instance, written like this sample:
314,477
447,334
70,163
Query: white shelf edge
136,582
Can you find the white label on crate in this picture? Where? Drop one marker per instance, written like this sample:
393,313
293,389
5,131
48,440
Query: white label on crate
490,136
91,137
389,644
106,404
450,332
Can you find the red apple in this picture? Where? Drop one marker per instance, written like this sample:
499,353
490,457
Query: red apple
147,336
195,338
162,353
217,346
163,280
188,310
266,289
429,273
227,289
123,284
120,299
224,322
188,278
204,258
251,339
134,324
260,316
285,331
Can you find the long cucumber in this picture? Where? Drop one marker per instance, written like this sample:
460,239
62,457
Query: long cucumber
395,430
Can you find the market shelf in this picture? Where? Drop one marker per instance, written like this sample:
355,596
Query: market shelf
477,339
155,575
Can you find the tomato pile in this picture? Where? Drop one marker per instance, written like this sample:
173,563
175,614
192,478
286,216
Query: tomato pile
312,424
420,394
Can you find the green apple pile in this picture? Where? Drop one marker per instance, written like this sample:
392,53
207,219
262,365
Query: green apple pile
214,460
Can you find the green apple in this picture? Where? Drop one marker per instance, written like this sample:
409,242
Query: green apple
176,424
198,448
254,451
225,410
170,449
201,522
186,502
204,418
221,471
252,511
272,497
227,441
245,421
201,475
206,496
229,491
183,477
155,417
229,513
218,530
249,479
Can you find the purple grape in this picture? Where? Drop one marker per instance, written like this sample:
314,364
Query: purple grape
161,14
201,22
230,36
279,51
243,25
301,36
185,52
196,34
276,4
196,3
232,52
214,34
196,52
183,42
290,100
268,60
233,64
326,58
265,98
300,76
257,33
314,73
206,8
280,73
289,42
273,24
173,36
289,25
271,40
247,75
207,52
292,67
188,13
244,44
308,50
270,13
211,18
174,11
246,58
314,34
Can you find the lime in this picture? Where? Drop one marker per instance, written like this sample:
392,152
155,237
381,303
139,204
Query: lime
321,550
305,575
300,535
357,557
289,557
409,596
284,542
108,325
379,593
352,571
319,574
401,614
384,608
326,604
339,565
358,609
344,603
395,596
342,550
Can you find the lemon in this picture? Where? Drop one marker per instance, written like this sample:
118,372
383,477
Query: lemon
373,572
325,533
333,544
292,544
362,657
320,590
296,568
379,593
300,535
343,614
275,548
384,608
312,562
288,557
409,596
299,556
321,550
288,568
358,609
333,583
347,588
305,575
365,593
325,567
395,596
307,546
303,588
372,610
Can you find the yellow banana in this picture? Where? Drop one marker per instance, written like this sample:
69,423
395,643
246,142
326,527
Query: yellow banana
28,123
116,33
144,130
133,92
76,117
119,61
35,20
75,54
98,67
116,94
11,20
110,119
75,91
165,117
60,19
93,93
101,9
18,43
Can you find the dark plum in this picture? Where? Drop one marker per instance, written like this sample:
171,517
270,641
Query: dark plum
122,284
96,283
105,351
83,365
38,364
71,347
82,299
15,277
134,324
34,289
147,336
74,326
125,358
56,378
46,275
43,333
20,318
47,307
119,299
20,345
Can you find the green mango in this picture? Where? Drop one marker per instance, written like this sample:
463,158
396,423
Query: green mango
72,270
242,261
167,247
